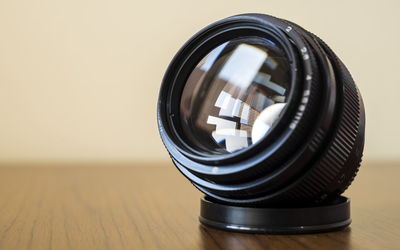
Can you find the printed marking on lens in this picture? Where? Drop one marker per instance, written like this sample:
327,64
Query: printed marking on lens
301,109
257,87
306,56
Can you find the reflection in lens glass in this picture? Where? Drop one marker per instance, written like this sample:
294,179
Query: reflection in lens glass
234,95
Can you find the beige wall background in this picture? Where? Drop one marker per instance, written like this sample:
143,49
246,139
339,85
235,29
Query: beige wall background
79,79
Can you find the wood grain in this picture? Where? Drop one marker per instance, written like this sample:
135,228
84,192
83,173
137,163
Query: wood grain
154,207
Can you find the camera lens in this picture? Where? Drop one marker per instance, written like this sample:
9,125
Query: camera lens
256,110
235,95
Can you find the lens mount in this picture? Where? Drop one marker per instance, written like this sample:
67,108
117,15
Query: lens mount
311,153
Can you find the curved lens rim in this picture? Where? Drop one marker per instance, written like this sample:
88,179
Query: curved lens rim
261,41
200,51
240,160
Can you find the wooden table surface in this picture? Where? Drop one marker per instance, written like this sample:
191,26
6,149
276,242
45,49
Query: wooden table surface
154,207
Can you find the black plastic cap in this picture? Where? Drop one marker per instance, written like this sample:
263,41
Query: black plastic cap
329,216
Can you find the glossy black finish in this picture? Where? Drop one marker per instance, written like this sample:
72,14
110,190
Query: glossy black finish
329,216
314,151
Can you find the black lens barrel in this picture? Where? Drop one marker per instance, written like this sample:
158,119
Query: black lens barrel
315,150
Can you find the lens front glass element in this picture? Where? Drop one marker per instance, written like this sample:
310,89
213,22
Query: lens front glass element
234,95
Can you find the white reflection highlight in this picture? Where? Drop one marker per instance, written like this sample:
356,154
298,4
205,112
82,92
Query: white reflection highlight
265,120
243,65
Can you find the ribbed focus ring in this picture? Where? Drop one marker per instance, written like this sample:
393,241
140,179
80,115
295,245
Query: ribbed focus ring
329,171
313,154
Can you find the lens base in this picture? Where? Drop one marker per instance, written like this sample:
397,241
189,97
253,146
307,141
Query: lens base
325,217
